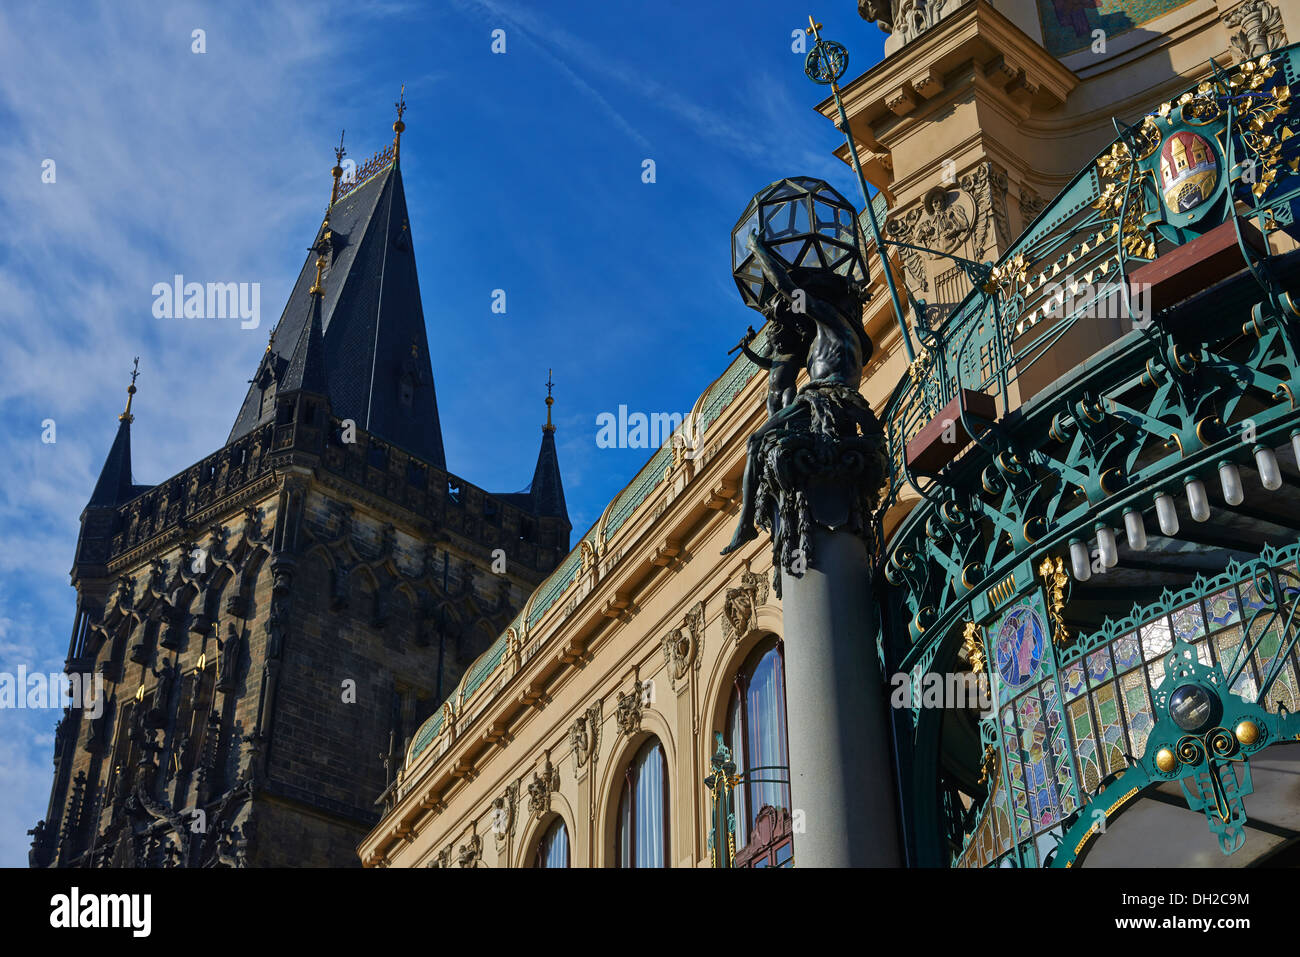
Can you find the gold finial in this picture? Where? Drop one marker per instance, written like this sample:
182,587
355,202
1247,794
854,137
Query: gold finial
399,126
814,27
337,172
130,394
549,402
318,287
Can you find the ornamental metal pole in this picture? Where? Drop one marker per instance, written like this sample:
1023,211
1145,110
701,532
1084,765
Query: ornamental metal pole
826,63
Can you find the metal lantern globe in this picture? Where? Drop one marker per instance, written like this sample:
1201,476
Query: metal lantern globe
807,226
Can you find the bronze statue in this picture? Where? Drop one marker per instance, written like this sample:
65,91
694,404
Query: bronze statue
787,349
830,404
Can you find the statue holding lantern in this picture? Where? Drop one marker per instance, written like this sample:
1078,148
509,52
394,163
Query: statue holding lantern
817,458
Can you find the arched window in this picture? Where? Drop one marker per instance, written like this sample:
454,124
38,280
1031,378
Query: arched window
756,734
642,839
553,848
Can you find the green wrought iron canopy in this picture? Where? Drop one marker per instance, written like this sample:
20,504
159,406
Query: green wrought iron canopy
1072,498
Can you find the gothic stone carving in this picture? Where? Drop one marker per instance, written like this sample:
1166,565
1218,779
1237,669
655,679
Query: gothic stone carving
1260,29
682,645
741,603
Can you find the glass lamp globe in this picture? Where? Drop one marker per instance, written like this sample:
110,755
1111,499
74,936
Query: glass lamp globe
1191,707
806,225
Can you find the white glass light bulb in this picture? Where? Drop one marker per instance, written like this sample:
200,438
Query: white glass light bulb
1167,514
1230,480
1270,475
1080,561
1136,530
1107,547
1198,503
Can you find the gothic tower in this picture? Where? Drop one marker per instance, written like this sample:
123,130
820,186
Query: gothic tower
273,623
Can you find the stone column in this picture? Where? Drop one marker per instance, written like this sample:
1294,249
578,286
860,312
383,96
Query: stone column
822,488
841,763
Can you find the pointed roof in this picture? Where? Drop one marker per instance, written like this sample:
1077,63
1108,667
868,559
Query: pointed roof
306,369
375,351
114,486
546,489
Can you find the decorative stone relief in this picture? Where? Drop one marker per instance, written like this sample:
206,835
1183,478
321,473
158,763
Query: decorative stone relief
1255,28
740,606
682,645
543,784
905,20
967,219
1031,204
470,853
503,813
443,858
628,715
584,737
914,17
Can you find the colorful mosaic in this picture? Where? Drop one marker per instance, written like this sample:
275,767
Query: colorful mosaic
1018,649
1068,25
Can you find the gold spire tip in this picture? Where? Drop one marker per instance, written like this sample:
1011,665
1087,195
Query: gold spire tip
549,401
399,126
130,393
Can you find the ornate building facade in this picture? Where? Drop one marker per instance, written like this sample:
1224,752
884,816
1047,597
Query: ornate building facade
1142,686
273,622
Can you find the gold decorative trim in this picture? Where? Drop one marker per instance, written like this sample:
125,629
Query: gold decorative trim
1055,580
972,643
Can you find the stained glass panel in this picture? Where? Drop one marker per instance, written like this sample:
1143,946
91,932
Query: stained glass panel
1044,809
1188,622
1156,639
1227,644
1072,680
1085,745
1251,600
1283,686
1099,669
1110,729
1223,609
1137,710
1015,776
1127,653
1059,742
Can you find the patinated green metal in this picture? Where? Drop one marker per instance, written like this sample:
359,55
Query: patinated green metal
1164,404
721,785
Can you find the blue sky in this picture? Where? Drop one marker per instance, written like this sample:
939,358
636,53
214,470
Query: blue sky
523,172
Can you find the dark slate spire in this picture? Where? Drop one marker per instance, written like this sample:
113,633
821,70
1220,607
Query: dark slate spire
114,486
306,369
375,350
547,490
